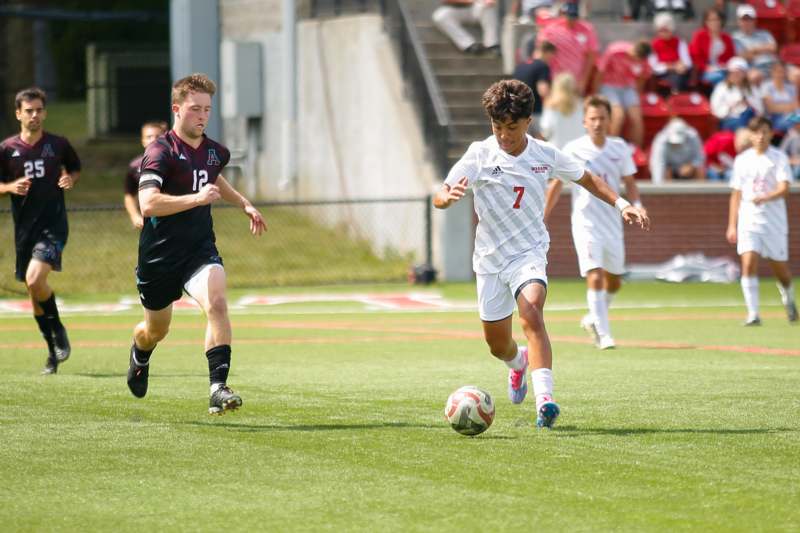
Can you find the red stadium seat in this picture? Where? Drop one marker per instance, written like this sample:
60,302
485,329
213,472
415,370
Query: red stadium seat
655,115
695,109
772,16
790,53
641,161
793,11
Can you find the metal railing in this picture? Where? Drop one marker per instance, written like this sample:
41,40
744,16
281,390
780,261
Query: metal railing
315,242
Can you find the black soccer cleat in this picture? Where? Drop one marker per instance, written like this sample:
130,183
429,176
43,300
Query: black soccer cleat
223,399
50,366
61,346
137,377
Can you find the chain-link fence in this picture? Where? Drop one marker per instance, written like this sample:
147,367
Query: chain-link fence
307,243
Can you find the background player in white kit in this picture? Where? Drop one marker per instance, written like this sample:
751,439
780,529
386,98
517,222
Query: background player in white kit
508,173
757,221
596,227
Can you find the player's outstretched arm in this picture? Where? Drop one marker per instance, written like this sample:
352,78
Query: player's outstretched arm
600,188
733,216
447,195
232,196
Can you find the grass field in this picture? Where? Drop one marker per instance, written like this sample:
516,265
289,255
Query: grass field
693,423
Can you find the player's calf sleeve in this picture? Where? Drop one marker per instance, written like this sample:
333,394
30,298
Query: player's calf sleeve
219,363
44,327
51,312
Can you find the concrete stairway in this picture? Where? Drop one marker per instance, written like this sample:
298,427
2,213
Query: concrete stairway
463,79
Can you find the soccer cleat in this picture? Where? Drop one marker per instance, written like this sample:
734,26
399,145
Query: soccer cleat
137,377
50,367
547,415
223,399
791,311
61,345
517,382
752,322
606,343
588,324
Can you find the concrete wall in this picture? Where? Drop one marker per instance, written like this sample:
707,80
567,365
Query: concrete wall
358,135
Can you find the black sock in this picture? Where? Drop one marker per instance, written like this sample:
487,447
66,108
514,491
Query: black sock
219,363
51,312
142,356
44,327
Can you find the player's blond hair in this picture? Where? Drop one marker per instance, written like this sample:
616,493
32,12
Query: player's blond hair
194,83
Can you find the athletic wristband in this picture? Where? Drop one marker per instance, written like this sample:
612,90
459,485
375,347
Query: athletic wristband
621,204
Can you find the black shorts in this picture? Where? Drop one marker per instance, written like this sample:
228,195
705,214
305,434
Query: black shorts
159,291
47,249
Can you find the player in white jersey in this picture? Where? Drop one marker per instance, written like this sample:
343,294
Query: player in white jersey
757,221
508,174
596,227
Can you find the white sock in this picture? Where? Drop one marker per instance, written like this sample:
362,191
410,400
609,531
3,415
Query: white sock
542,379
598,308
609,298
215,386
787,293
750,292
520,361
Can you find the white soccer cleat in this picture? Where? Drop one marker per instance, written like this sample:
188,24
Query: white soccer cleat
606,343
587,323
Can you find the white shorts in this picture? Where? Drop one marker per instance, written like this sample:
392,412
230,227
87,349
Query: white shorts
198,283
497,293
608,254
767,245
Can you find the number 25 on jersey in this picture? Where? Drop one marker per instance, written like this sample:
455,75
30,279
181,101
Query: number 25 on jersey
34,169
200,179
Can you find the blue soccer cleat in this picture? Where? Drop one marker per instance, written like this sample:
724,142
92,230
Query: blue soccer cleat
518,382
548,413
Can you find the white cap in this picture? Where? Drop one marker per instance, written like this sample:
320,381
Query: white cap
745,10
736,63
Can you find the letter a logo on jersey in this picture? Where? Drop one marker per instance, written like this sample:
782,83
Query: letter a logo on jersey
47,151
212,158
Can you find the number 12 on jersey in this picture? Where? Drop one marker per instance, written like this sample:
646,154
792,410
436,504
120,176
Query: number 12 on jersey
520,191
200,179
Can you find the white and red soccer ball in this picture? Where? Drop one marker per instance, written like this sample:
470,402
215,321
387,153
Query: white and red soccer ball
469,410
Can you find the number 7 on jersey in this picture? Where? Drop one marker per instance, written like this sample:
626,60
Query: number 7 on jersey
520,191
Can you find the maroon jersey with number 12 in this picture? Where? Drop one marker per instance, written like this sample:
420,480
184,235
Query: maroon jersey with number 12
177,169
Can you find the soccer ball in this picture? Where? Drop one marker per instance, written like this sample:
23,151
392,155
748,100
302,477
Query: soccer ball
469,410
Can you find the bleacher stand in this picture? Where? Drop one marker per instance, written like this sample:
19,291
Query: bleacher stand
695,109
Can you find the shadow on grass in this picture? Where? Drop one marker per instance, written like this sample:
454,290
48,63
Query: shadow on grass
106,375
252,428
575,431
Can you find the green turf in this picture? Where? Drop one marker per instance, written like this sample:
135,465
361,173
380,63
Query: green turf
342,425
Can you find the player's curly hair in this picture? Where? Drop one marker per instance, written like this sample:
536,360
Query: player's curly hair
508,99
194,83
31,93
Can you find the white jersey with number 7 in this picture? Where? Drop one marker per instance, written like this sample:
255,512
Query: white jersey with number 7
509,198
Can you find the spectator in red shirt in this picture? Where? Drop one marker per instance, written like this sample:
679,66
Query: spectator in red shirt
576,44
711,48
670,60
621,72
721,149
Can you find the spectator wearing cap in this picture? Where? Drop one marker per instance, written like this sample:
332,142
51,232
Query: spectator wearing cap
621,73
756,46
711,48
780,97
721,149
733,101
790,144
677,153
670,60
451,16
576,44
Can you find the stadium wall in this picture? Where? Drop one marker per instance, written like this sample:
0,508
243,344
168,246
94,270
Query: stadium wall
685,218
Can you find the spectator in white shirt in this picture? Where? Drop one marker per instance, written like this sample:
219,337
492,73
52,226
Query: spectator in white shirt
734,102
